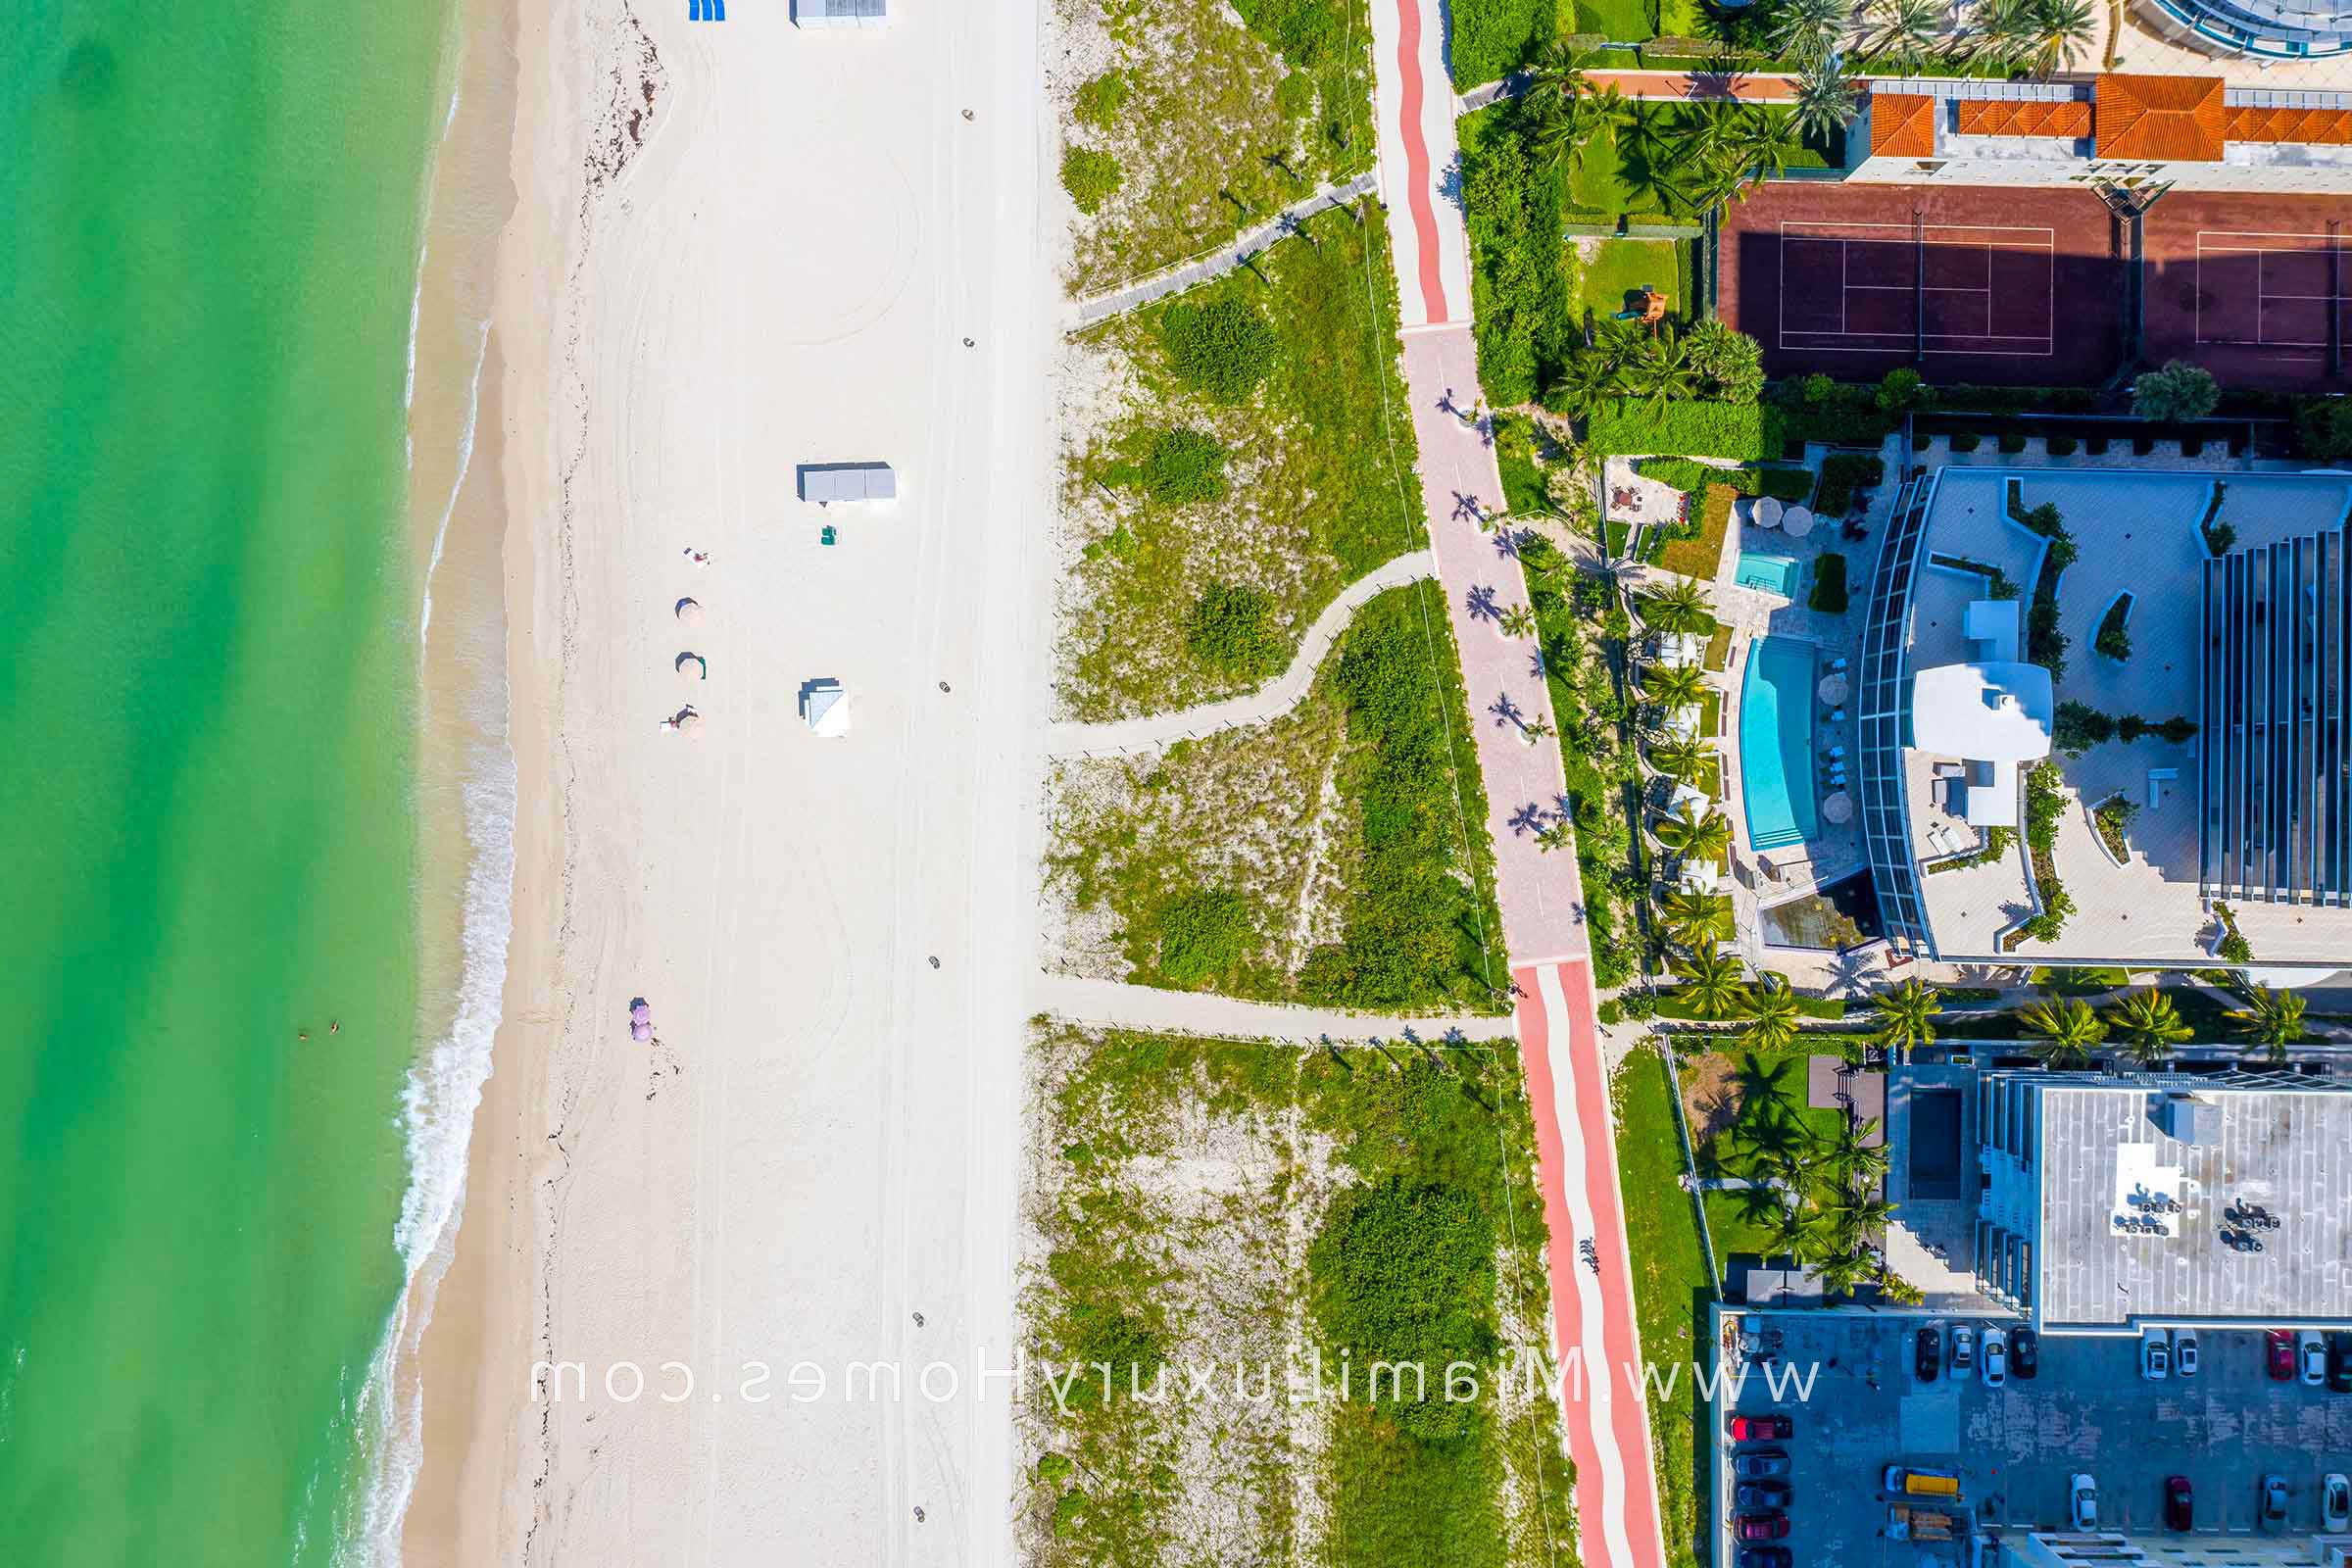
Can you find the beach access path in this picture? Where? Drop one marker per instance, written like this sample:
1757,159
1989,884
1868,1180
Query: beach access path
1236,252
1595,1326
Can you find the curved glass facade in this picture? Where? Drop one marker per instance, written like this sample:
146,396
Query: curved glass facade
1882,711
2278,29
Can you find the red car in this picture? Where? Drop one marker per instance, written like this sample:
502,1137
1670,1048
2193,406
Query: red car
1761,1428
1761,1526
2280,1350
2180,1512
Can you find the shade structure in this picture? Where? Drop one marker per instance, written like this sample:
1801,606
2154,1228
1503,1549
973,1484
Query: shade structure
689,611
1833,689
694,666
1797,521
1766,513
1839,808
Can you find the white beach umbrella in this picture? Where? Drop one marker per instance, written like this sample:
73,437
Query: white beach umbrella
694,666
689,612
1767,512
1798,520
1833,689
1839,808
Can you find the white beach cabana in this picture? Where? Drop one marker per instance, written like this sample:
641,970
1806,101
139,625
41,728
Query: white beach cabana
1689,797
825,707
1680,648
1702,876
1683,723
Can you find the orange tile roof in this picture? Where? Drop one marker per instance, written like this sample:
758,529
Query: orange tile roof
2323,127
1901,125
1980,116
2159,117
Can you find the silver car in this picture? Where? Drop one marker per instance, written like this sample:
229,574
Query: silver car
2335,1504
2270,1515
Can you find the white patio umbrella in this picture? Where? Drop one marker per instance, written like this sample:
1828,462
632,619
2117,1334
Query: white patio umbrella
1766,513
1839,808
1833,689
1798,520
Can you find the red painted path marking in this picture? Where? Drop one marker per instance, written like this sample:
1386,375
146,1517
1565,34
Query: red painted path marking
1416,161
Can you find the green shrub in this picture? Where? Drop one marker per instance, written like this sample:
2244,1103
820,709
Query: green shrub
1528,320
1089,177
1841,474
2176,392
1901,390
1203,934
1819,388
2324,428
1295,95
1611,1011
1184,466
1689,477
1748,432
2011,441
1222,349
2078,727
1494,38
2115,639
1405,1273
1232,629
1966,442
1829,584
2062,446
1099,100
1308,33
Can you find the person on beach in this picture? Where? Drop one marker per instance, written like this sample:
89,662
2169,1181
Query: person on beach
701,557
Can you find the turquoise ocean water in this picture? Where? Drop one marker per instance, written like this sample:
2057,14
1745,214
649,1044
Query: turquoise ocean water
208,683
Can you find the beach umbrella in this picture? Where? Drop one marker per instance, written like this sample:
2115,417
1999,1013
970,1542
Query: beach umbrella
1839,808
694,666
641,1030
1798,520
639,1013
1833,689
1766,513
690,723
689,612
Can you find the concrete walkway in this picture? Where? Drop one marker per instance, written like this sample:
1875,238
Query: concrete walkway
1194,1012
1184,274
1126,736
1758,87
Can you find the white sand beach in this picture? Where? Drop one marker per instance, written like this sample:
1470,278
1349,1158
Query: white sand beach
736,246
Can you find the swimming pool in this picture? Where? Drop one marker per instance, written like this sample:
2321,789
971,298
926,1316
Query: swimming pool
1774,574
1776,742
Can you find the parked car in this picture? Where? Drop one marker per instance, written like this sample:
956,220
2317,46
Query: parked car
2179,1508
1765,1464
2339,1361
1761,1495
2335,1504
1964,1351
1997,1358
2025,1353
2184,1353
1761,1527
2313,1355
2155,1355
1761,1428
2086,1506
1764,1558
2270,1506
1927,1355
2278,1353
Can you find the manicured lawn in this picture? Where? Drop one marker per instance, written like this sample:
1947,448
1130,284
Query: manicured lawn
1648,168
1770,1093
1625,264
1736,1228
1618,21
1702,555
1493,38
1671,1283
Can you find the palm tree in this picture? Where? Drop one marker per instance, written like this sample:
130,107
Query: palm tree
2273,1020
1693,920
1680,757
2068,1030
1772,1015
1660,371
1585,383
1680,605
1809,30
1555,77
1711,979
1851,1159
1694,837
2149,1024
1905,31
2006,30
1752,144
1517,622
1556,835
1827,98
1673,686
2061,28
1907,1013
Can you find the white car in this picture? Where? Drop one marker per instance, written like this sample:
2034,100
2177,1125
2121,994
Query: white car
2155,1355
2335,1504
1964,1351
2311,1353
1997,1358
2184,1353
2087,1503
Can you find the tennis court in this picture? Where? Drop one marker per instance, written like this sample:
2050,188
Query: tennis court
1966,283
2256,288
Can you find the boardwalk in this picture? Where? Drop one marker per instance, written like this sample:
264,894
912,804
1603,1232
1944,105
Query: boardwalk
1217,263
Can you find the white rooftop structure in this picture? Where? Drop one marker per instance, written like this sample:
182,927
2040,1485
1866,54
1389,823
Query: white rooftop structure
1993,625
1993,713
825,483
1680,648
825,706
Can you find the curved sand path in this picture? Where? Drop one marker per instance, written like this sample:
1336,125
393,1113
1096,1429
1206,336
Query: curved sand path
1125,736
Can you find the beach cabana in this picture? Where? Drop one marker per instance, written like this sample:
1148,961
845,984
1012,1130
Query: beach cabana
825,708
827,482
840,13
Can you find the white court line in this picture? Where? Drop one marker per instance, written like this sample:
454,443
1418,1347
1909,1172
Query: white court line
2261,297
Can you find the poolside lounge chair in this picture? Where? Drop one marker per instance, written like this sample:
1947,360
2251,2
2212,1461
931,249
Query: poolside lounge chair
1836,665
1836,751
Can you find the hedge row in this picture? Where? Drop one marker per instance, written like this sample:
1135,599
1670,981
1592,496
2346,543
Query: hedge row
1686,476
1747,432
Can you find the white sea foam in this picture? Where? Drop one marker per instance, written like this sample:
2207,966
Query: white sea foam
456,483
